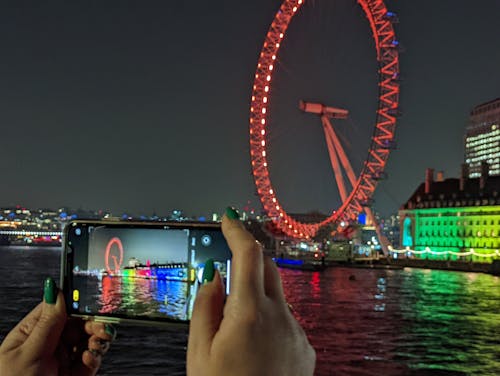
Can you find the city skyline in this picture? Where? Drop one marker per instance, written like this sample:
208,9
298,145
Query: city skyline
145,108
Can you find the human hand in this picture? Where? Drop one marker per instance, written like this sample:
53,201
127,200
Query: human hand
254,332
46,342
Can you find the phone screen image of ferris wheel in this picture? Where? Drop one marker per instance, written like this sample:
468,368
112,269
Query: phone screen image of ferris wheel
143,273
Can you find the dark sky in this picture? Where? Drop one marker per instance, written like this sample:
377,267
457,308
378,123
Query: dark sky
142,106
160,247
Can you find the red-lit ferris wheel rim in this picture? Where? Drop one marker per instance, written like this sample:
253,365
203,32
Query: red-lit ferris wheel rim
386,45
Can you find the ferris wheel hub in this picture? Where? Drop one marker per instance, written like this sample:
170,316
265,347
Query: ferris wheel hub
321,109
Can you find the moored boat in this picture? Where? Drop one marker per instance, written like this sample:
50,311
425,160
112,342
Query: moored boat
300,264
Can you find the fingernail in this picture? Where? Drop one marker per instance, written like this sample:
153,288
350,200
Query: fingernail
232,213
208,271
110,329
50,291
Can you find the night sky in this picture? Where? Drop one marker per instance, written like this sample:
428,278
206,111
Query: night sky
160,247
143,106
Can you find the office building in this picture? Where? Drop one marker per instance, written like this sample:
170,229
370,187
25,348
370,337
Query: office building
482,139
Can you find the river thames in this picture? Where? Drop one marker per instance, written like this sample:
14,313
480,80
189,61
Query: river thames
360,321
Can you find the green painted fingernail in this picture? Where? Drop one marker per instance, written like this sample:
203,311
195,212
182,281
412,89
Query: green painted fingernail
208,271
232,213
50,291
110,329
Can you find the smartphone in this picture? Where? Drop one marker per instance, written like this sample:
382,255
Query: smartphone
138,272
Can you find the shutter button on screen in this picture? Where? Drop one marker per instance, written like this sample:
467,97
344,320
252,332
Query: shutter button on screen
206,240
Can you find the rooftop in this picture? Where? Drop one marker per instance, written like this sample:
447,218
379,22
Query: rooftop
447,193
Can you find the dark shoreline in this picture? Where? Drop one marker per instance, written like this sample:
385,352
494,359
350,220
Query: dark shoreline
459,266
493,268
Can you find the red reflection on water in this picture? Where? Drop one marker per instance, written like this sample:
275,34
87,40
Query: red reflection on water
111,294
315,287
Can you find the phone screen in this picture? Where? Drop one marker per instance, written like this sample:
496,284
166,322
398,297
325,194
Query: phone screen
141,271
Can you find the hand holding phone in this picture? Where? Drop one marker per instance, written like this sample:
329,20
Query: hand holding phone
253,331
45,342
141,272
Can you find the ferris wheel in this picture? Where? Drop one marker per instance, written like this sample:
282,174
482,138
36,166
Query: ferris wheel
358,198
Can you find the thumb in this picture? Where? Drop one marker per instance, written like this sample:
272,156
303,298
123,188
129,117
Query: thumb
207,312
46,333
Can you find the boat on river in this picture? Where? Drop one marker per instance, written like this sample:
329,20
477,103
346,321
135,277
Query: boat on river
299,256
300,264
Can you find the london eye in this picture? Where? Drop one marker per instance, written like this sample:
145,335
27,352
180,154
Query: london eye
355,189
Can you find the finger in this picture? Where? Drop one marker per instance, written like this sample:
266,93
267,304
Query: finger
22,330
46,333
247,263
101,330
98,344
206,318
91,361
272,281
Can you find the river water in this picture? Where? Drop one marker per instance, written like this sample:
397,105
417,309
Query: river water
360,321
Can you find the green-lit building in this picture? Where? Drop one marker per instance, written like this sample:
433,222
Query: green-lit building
453,219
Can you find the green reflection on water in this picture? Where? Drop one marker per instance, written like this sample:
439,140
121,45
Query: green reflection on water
137,296
453,320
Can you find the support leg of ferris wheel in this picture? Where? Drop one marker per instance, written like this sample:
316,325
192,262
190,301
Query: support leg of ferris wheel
327,112
335,163
336,152
384,242
337,147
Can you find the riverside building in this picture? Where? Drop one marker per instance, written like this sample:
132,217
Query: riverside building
453,219
482,139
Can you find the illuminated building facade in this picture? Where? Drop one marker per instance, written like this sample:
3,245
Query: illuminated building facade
482,139
453,219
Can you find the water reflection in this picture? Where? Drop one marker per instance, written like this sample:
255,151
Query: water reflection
315,285
434,322
452,321
380,306
417,322
110,297
134,296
